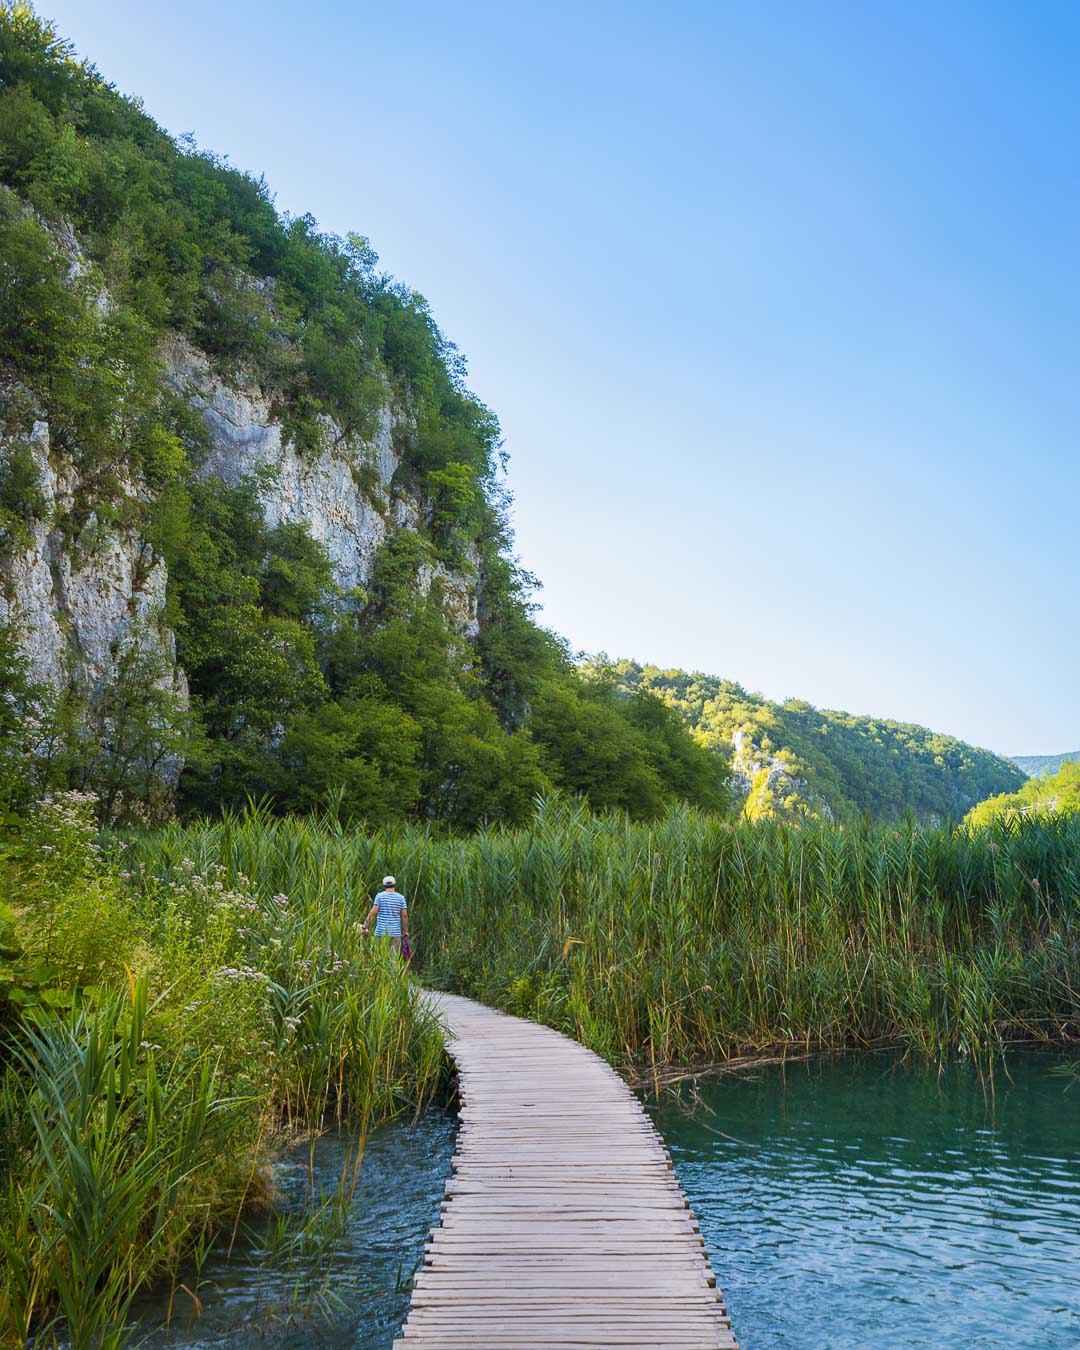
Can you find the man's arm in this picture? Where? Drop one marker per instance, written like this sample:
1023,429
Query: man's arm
372,912
405,919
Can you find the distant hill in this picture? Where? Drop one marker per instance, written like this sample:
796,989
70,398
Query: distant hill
1058,792
792,759
1043,766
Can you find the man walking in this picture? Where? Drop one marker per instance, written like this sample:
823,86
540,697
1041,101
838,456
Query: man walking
391,914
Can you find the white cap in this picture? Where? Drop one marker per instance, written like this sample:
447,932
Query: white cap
389,881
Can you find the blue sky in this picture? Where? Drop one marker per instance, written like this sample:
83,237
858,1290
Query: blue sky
779,305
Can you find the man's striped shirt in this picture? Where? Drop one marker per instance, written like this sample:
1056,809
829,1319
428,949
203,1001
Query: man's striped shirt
390,904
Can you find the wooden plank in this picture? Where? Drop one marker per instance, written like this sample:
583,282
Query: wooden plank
563,1224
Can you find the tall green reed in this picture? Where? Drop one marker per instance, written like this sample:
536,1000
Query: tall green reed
698,938
106,1147
145,1080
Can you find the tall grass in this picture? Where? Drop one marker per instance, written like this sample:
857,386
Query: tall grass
698,938
109,1147
159,1034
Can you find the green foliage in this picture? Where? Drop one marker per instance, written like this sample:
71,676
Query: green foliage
22,500
378,705
833,764
1058,793
22,726
123,739
159,1033
127,739
623,753
362,755
83,928
692,938
401,647
91,371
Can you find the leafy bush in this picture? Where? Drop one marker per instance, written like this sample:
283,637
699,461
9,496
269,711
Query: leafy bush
77,918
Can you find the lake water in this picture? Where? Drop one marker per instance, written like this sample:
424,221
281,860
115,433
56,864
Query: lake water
345,1290
851,1201
856,1201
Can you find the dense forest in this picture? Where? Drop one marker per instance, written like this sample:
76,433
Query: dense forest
793,760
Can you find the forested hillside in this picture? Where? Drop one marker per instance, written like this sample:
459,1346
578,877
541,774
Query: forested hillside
151,295
791,760
253,539
1058,792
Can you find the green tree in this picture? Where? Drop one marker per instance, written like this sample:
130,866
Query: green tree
362,755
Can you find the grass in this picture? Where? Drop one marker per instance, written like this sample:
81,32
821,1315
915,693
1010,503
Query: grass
158,1037
162,1026
698,939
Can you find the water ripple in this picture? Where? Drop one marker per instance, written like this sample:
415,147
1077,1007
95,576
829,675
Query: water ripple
253,1299
869,1208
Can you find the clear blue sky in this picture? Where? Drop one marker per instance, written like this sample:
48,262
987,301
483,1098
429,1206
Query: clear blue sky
779,305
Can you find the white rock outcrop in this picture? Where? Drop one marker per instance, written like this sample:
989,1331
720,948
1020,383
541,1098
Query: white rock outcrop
348,495
77,605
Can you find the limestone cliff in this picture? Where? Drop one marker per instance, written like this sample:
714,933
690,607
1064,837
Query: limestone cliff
767,782
77,604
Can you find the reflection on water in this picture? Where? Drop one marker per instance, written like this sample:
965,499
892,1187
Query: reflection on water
276,1293
861,1202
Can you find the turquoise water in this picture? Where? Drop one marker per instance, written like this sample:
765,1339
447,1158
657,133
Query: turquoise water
346,1288
860,1202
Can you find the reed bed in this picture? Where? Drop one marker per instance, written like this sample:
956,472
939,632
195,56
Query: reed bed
161,1031
170,1011
698,939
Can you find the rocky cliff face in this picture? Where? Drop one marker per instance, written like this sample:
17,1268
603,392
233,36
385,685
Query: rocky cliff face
349,497
764,782
77,605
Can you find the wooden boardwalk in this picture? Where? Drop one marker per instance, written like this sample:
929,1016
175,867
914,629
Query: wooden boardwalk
563,1226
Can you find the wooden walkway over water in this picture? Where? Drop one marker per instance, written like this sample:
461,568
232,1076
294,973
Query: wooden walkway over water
563,1226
